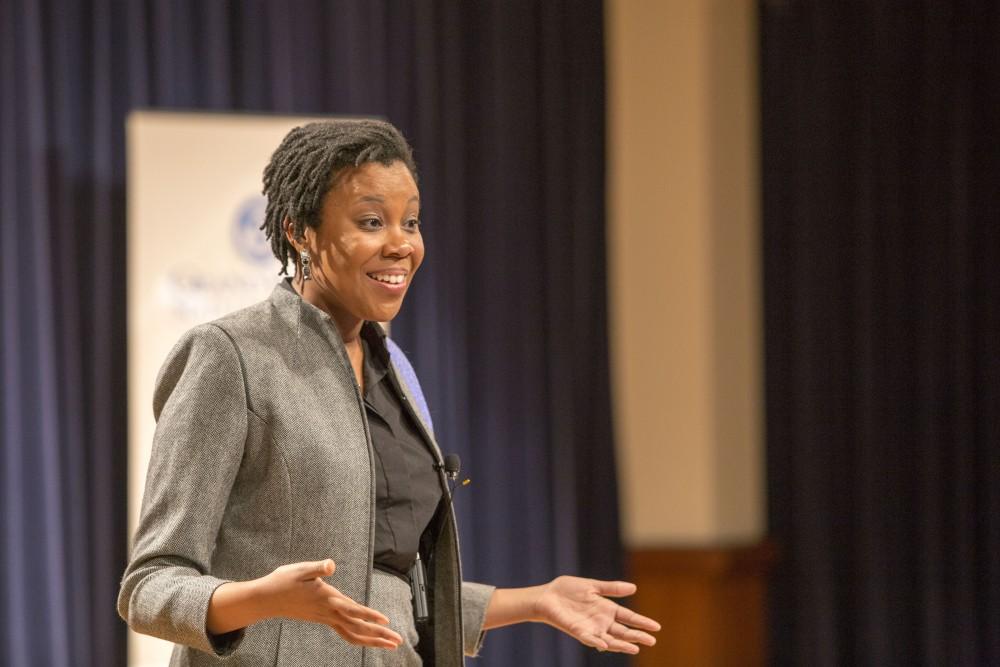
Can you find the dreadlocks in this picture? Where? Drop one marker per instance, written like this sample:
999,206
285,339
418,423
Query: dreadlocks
302,168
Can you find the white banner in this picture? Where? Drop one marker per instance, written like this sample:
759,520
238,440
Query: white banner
195,252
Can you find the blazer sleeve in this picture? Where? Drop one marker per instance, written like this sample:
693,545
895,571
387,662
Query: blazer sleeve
475,600
201,415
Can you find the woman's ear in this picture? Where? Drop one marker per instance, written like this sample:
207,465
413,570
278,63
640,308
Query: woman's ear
299,243
289,228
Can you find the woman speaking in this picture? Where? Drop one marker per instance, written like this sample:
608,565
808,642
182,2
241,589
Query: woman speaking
296,508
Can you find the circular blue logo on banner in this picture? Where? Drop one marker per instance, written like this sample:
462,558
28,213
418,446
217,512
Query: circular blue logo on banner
248,237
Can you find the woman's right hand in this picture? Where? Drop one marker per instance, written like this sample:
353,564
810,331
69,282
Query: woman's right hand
298,591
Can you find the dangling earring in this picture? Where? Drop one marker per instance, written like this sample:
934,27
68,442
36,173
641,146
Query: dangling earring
306,268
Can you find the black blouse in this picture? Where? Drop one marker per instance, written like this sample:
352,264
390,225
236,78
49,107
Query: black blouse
407,486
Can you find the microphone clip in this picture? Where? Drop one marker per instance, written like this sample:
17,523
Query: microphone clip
451,465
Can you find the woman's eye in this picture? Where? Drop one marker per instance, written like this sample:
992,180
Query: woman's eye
371,223
412,224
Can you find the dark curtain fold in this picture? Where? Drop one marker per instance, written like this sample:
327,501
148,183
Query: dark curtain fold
504,103
881,175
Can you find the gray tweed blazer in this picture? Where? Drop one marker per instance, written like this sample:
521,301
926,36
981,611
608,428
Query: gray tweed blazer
262,457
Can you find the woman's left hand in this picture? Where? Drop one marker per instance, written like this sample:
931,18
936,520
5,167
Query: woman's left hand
581,608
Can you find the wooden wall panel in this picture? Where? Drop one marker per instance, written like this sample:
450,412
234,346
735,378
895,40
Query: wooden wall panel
711,603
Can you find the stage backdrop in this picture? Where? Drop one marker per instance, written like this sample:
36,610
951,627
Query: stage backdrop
195,252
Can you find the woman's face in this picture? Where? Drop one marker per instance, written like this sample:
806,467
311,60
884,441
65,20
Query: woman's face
368,244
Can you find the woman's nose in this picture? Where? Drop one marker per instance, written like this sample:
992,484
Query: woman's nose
397,244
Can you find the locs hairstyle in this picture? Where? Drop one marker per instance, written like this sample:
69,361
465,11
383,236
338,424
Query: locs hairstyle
303,167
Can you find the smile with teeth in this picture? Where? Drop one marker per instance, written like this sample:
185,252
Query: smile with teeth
390,278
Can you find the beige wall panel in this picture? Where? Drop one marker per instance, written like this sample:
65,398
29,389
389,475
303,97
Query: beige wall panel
683,269
734,196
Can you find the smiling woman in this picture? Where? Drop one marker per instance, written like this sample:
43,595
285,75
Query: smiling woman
295,495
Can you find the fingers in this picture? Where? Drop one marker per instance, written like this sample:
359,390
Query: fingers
623,639
631,635
614,589
368,634
619,639
593,641
372,642
629,617
362,640
343,607
361,625
313,569
620,646
607,643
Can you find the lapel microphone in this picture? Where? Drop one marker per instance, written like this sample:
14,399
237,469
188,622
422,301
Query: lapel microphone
451,466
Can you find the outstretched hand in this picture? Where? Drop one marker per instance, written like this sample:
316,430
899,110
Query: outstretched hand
298,591
581,608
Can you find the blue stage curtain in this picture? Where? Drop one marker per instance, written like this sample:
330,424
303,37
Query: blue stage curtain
504,103
881,156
